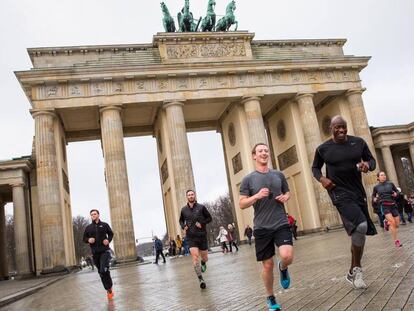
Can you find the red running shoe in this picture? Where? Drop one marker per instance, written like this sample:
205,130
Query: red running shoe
110,294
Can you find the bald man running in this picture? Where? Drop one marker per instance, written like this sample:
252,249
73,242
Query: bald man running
345,158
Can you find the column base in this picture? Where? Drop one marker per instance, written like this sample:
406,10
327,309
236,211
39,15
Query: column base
125,261
59,270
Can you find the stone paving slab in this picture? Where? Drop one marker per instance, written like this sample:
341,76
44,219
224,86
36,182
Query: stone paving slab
234,283
13,290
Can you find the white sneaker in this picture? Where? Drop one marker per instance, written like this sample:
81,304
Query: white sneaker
358,281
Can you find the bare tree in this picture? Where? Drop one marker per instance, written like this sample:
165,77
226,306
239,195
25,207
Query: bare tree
81,248
221,211
11,243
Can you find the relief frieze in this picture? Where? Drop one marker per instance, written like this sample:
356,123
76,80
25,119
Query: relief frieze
76,90
210,50
51,91
118,87
207,82
98,88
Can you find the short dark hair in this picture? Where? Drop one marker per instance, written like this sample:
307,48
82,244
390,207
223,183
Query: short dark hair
379,173
258,144
93,210
189,190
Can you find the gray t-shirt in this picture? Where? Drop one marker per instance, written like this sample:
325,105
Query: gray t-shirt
268,213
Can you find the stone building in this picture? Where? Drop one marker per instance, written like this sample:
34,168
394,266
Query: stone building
282,92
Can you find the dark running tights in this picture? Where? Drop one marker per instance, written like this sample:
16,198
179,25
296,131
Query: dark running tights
101,261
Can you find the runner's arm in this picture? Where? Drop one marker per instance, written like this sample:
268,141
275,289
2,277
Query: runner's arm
182,220
317,165
246,201
207,216
368,158
86,235
110,233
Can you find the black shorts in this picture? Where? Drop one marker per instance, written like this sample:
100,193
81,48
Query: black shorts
199,242
266,240
390,209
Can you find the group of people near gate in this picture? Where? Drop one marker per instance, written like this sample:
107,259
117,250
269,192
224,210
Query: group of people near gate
345,157
227,236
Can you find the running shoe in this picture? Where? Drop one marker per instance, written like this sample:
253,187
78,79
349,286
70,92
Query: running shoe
386,226
202,283
203,266
350,278
358,281
272,304
110,294
398,244
284,277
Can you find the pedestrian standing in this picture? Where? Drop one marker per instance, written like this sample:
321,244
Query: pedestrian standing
158,247
248,232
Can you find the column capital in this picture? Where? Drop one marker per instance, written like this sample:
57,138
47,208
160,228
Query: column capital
299,96
351,92
169,103
248,98
110,107
41,112
17,184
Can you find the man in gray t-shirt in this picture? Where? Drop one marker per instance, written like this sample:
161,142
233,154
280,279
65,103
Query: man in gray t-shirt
267,190
269,213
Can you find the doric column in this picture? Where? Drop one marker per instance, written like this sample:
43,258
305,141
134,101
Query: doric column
255,124
361,129
313,139
50,211
389,164
411,147
117,182
4,266
180,151
20,230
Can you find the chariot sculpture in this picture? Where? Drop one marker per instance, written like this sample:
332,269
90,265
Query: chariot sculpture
187,22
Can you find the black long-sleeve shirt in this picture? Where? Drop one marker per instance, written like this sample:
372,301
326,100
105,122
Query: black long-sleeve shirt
99,231
189,216
341,161
385,192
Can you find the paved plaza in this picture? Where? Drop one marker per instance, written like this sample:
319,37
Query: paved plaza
233,281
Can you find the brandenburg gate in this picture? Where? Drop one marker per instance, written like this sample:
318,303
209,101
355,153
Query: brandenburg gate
282,92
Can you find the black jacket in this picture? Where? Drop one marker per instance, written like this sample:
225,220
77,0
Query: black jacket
189,216
99,231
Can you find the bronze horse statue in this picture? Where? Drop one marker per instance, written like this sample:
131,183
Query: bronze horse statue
167,21
186,20
209,22
229,19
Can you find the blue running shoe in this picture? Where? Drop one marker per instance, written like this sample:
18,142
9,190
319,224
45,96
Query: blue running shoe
284,277
272,304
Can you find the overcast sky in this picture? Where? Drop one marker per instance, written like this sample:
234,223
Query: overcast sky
378,28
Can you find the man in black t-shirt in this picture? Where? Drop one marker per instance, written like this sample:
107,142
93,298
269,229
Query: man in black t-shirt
345,158
193,220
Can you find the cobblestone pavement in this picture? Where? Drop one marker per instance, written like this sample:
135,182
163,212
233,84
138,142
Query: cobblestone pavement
233,281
